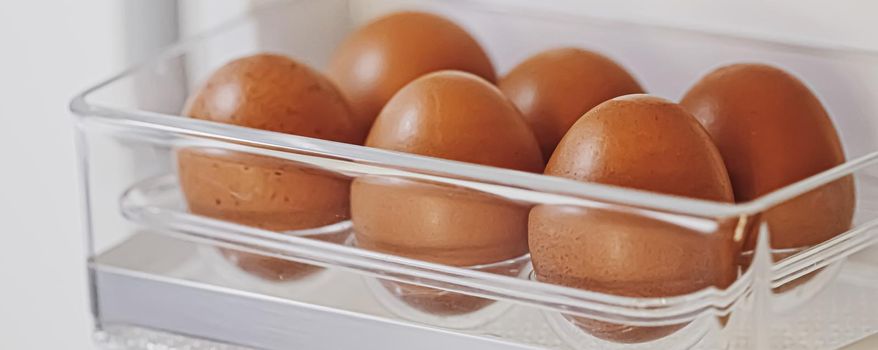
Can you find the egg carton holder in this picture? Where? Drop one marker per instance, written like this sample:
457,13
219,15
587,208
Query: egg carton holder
157,278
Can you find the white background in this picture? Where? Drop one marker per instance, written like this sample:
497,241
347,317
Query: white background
50,49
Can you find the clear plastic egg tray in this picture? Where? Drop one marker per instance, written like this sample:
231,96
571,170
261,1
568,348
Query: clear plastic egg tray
158,278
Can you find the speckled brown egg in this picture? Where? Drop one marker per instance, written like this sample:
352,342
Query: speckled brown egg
773,131
378,59
457,116
273,92
645,143
554,88
268,92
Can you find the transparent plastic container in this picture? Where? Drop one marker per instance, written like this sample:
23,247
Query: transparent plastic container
166,273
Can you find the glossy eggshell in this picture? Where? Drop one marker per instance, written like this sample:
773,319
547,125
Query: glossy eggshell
456,116
260,191
378,59
554,88
275,93
645,143
263,192
438,223
626,253
623,253
773,131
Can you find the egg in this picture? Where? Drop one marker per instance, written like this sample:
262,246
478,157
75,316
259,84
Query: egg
378,59
438,223
554,88
268,92
773,131
456,116
645,143
273,92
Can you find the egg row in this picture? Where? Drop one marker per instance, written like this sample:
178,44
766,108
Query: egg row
418,83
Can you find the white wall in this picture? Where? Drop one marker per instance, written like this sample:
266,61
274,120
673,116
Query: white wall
48,51
849,23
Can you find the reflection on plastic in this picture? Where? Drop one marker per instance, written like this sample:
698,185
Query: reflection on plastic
806,221
441,224
626,254
264,192
436,223
444,308
273,269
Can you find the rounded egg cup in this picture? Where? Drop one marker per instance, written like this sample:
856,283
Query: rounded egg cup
566,327
447,309
794,293
308,277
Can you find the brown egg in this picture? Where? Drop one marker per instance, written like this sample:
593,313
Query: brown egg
268,92
456,116
438,223
772,131
645,143
554,88
276,93
260,191
375,61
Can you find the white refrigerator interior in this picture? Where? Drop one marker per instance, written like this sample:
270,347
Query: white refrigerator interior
53,49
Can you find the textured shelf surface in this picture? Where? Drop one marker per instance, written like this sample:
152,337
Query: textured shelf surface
140,292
